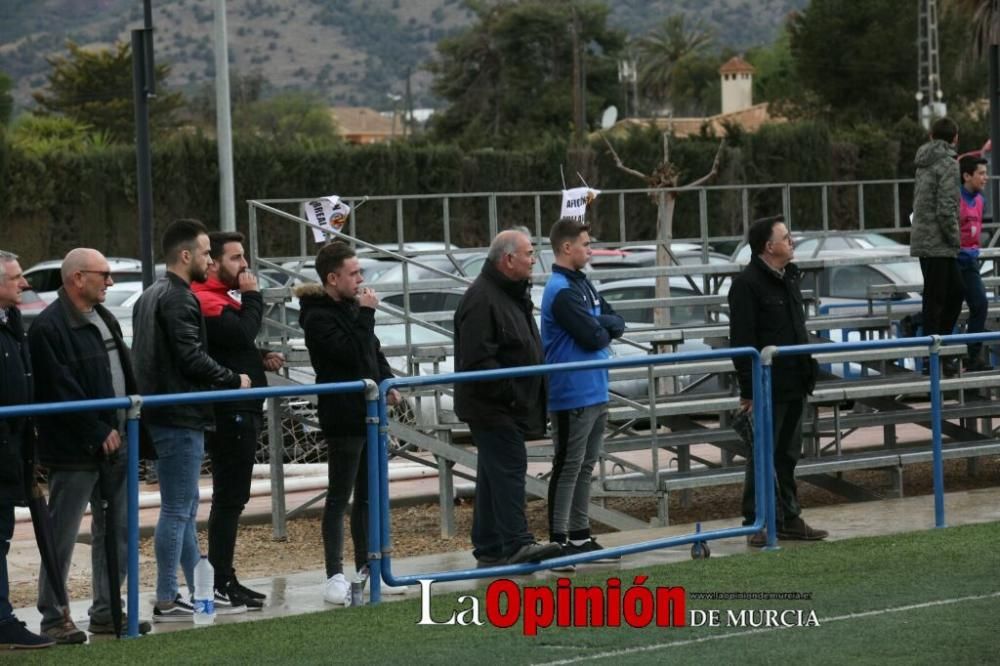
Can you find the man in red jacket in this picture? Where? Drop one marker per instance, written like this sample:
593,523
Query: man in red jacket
233,309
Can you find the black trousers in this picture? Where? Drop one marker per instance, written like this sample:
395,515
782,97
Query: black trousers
787,451
232,448
944,292
499,523
347,472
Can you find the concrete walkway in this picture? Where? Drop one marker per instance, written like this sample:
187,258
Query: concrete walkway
303,592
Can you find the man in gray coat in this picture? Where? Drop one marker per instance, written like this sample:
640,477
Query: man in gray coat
934,238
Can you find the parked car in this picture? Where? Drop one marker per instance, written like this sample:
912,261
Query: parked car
46,277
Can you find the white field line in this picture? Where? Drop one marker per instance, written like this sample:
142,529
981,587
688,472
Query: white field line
735,634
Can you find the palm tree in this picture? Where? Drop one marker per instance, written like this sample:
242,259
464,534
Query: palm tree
661,50
985,17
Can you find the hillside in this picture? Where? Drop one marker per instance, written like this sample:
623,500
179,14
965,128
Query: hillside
349,51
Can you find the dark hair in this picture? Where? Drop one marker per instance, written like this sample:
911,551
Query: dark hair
566,229
760,232
218,240
181,235
331,257
969,164
944,129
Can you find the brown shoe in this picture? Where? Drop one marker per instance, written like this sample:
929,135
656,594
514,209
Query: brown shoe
796,529
758,539
66,633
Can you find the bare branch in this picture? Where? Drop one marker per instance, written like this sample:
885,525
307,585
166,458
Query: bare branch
618,162
713,172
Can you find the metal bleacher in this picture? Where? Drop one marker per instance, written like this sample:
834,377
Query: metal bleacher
674,437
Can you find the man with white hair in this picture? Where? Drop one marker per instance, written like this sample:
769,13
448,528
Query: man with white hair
78,353
15,389
495,328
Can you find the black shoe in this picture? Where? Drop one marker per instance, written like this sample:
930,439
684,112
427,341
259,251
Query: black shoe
950,367
235,597
484,561
796,529
758,539
535,552
978,365
14,635
245,591
564,549
591,546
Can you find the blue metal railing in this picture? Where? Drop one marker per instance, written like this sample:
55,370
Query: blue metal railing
134,404
381,568
934,344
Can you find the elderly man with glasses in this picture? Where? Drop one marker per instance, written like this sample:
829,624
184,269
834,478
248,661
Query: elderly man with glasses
78,353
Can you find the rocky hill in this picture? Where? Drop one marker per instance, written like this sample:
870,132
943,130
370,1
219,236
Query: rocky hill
349,51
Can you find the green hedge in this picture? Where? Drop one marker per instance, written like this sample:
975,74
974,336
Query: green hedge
58,201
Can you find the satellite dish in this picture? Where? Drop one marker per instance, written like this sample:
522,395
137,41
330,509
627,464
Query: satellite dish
609,117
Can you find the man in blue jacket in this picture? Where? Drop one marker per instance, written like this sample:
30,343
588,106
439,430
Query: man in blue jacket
577,325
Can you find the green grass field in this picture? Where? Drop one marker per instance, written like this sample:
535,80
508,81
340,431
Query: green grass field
921,597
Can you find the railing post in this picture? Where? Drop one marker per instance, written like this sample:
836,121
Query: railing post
935,375
132,431
765,470
372,456
276,444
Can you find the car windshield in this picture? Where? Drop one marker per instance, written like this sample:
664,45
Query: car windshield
391,335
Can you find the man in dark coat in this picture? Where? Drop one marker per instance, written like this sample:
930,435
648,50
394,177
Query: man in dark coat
77,353
233,309
15,389
338,319
765,308
495,328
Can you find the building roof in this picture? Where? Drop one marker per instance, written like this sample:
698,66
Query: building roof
750,119
356,121
735,65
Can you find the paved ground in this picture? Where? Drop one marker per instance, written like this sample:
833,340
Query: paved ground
302,592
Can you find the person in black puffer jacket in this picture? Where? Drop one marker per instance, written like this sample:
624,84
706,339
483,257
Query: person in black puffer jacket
765,308
338,318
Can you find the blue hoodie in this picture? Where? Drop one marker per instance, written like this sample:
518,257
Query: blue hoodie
577,325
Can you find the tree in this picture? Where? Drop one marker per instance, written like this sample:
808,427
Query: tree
508,78
858,58
662,51
38,135
985,17
95,88
6,100
287,118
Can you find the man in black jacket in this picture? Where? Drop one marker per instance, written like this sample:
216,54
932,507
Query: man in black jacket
495,328
15,389
338,319
169,352
233,309
765,308
77,353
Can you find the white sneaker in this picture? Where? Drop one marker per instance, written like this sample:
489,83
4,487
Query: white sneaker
338,590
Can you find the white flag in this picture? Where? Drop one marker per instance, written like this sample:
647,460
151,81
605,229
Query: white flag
574,202
326,212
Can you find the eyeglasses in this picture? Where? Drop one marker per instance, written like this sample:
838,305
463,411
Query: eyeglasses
105,275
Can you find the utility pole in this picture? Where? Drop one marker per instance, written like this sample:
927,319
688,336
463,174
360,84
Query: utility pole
223,123
578,115
930,98
144,89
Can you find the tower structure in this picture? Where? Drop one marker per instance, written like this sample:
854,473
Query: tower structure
930,98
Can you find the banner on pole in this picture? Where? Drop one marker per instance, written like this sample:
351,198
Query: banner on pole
328,213
575,202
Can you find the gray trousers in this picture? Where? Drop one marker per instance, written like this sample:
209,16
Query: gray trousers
577,435
69,493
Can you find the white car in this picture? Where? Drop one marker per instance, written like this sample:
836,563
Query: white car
46,277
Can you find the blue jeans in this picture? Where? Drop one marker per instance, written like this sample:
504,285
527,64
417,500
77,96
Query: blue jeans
975,295
6,532
179,452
